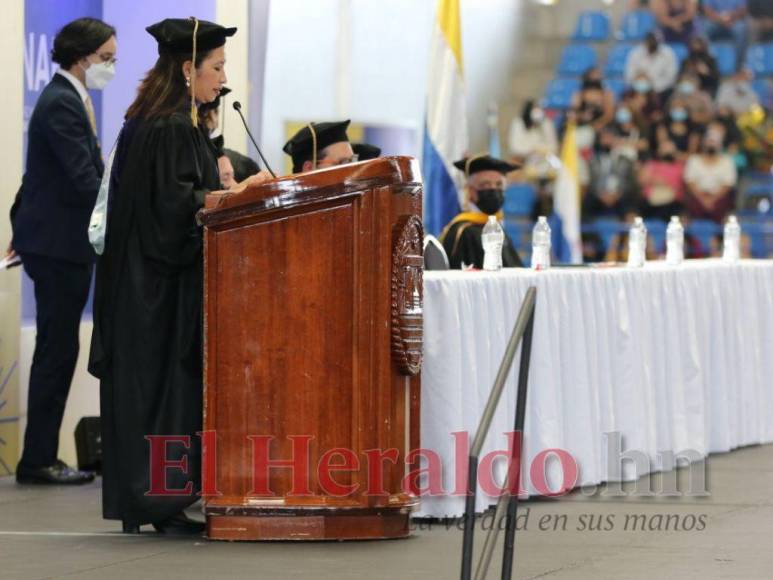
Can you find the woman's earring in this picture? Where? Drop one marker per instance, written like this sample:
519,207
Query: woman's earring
187,82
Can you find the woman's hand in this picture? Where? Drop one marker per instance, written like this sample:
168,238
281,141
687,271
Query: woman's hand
251,181
10,253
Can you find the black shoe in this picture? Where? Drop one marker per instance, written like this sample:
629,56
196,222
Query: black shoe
130,528
57,474
180,525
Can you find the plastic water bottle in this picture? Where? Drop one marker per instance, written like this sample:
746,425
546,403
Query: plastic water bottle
731,243
493,240
674,242
637,244
540,245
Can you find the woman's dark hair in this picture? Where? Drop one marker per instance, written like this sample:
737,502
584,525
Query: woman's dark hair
526,113
78,39
163,91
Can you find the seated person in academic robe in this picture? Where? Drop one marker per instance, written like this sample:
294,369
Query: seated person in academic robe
229,161
485,189
320,145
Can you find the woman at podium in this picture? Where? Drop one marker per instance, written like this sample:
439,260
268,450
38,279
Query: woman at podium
146,347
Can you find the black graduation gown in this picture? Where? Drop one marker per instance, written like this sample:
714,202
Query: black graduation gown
147,342
463,243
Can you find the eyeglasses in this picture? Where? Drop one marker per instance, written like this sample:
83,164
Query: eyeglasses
331,163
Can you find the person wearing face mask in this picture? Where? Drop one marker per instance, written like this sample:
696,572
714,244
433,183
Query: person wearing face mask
737,93
532,133
654,60
593,105
679,129
703,65
485,189
50,220
146,347
711,177
699,105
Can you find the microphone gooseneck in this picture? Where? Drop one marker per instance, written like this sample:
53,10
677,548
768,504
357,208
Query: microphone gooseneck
238,108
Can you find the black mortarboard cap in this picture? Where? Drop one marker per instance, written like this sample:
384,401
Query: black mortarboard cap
365,151
471,165
301,145
219,143
175,35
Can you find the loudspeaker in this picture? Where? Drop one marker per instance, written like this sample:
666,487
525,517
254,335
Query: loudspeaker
88,444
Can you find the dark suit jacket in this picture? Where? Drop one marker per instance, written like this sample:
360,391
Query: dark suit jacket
60,184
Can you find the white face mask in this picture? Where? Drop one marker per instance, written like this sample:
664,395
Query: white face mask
99,74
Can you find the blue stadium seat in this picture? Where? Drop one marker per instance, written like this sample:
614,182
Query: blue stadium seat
759,58
616,60
606,229
635,25
576,59
703,231
656,231
760,232
558,93
680,51
763,89
725,55
519,199
592,26
617,86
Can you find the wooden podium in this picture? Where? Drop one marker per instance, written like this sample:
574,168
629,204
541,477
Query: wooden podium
313,345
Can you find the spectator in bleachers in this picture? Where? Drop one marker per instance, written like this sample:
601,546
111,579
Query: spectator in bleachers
700,62
612,189
710,177
679,129
724,124
699,105
662,183
644,104
632,140
533,133
726,20
737,93
593,104
761,12
655,61
675,19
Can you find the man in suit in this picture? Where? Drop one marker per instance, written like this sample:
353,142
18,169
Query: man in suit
50,221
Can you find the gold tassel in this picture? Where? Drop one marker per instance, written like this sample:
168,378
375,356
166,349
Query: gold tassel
194,108
313,145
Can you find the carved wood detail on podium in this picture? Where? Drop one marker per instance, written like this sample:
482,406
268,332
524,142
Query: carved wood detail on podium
407,295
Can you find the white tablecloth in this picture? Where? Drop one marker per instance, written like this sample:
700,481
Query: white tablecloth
673,358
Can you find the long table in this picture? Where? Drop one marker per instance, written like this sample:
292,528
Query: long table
658,359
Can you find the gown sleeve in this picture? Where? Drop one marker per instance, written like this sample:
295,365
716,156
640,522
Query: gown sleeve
166,210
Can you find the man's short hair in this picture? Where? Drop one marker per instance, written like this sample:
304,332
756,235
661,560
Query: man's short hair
78,39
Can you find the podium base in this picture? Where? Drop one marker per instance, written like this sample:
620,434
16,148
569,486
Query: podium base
308,524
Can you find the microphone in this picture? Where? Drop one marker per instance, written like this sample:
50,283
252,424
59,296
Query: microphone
238,108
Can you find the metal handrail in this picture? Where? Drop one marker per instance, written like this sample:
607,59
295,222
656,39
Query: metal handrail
507,506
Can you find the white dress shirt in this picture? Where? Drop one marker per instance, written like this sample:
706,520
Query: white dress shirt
661,67
75,81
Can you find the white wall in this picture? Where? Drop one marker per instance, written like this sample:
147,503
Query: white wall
388,53
11,62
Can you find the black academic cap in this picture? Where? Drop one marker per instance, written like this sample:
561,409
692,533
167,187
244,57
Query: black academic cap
484,163
175,35
301,145
219,143
365,151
